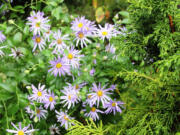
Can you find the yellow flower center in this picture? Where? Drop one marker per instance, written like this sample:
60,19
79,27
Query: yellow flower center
35,17
59,41
77,86
100,93
51,99
58,65
80,25
48,32
39,93
93,109
38,24
80,35
104,33
69,97
38,111
70,56
38,39
65,117
113,104
20,132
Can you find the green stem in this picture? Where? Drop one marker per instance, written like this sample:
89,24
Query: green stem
6,114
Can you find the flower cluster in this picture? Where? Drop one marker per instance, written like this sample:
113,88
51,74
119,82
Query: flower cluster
67,61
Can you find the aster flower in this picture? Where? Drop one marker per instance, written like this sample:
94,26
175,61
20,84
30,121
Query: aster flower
2,37
113,29
113,106
81,36
100,95
29,111
38,41
20,130
40,113
47,35
50,100
16,53
1,52
59,41
59,66
93,113
104,32
73,57
38,23
92,71
89,100
110,48
90,28
79,24
38,94
70,97
54,130
63,118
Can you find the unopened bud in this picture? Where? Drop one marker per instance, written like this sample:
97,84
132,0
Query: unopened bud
26,71
11,21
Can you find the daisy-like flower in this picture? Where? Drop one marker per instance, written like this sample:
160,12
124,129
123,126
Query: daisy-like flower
59,66
47,35
59,41
113,29
63,118
100,95
16,53
81,36
79,24
1,52
20,130
39,94
89,100
38,23
40,113
50,100
73,57
54,130
104,32
93,113
2,37
90,28
70,97
38,41
29,111
113,106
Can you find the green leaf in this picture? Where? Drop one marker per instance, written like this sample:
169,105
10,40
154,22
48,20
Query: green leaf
56,12
124,14
17,37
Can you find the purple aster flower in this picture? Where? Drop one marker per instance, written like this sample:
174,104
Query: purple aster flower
59,41
100,95
105,32
63,118
1,52
38,41
59,66
113,29
92,71
110,48
39,94
71,96
50,100
89,100
113,106
40,113
16,53
29,111
47,35
2,37
79,24
73,57
38,23
81,36
20,130
93,113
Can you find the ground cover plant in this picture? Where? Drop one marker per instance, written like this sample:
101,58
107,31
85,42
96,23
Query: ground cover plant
112,68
